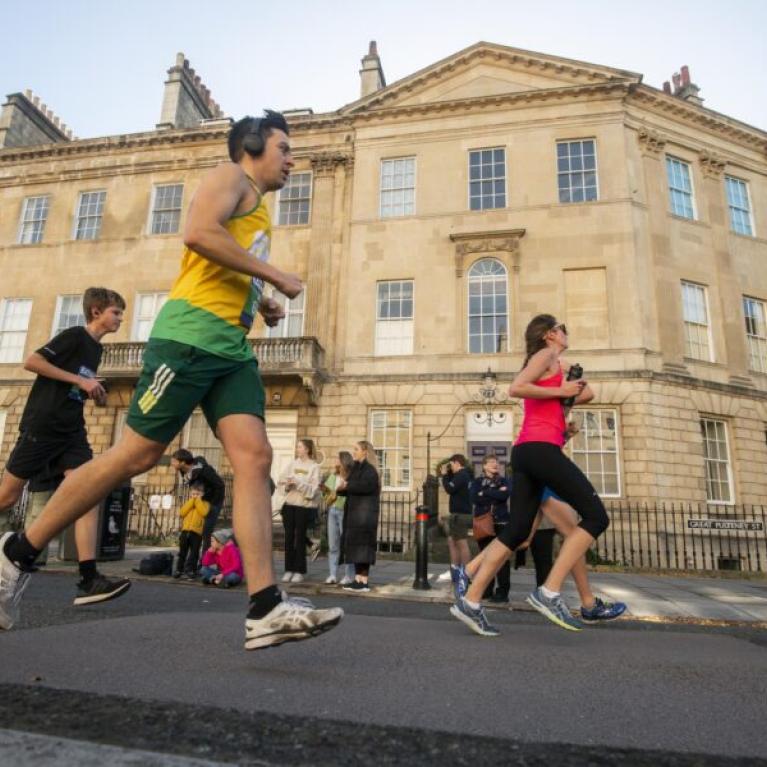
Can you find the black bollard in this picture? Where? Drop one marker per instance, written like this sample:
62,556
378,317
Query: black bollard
421,582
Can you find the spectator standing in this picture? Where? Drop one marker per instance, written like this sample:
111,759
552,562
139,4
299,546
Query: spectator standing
456,481
490,494
335,505
196,469
192,514
362,489
299,481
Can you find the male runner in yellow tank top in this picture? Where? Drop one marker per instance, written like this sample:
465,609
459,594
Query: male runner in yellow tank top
198,354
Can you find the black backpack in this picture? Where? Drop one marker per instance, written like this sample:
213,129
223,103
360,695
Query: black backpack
158,563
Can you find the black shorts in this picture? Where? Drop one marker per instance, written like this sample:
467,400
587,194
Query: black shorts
50,453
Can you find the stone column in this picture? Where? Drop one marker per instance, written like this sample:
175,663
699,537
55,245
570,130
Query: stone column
669,312
730,313
322,275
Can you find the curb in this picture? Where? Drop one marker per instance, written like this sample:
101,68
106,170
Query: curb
434,596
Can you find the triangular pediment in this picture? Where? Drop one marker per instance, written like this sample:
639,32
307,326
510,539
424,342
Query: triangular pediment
486,69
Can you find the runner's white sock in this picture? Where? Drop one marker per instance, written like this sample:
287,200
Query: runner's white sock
473,605
549,594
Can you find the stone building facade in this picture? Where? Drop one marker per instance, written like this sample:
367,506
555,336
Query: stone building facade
431,219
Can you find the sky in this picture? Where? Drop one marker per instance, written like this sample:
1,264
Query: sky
101,64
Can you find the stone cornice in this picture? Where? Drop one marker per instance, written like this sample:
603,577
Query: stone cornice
733,130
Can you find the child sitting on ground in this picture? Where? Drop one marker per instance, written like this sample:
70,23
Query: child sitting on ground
193,514
221,563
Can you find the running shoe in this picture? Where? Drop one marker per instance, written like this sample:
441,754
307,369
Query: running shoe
287,576
603,611
345,581
476,620
13,581
460,582
555,609
100,589
357,586
292,620
297,578
331,579
446,576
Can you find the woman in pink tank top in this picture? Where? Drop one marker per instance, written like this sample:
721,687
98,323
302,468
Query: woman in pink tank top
538,462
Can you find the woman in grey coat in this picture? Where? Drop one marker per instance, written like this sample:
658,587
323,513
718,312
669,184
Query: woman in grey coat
362,489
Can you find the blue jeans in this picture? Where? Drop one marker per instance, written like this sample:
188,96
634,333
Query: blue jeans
211,571
335,528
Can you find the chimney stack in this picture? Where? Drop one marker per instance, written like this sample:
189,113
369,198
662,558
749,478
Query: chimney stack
684,88
26,121
371,75
186,101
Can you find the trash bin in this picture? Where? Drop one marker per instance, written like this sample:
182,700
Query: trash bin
113,524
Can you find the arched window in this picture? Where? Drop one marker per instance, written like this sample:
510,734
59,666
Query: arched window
488,307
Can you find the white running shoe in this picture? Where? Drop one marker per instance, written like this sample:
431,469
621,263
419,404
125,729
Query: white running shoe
446,576
291,620
330,580
286,578
12,584
346,580
297,578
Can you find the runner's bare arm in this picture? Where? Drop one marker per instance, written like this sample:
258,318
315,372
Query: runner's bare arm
212,206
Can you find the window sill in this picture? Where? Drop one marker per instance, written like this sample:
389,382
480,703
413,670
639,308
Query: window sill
307,225
695,221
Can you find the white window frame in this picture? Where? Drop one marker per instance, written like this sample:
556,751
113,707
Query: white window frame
730,206
403,324
56,328
688,325
38,237
757,344
137,317
287,202
152,203
728,462
282,328
79,215
212,452
404,213
492,179
688,166
569,172
3,419
598,480
469,315
4,303
396,448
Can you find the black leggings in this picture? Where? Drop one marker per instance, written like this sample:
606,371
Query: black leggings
537,465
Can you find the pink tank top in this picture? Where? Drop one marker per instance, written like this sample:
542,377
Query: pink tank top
544,419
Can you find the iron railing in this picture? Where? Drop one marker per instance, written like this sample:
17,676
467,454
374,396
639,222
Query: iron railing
670,536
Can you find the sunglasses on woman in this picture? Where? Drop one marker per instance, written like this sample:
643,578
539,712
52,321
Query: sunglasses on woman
560,326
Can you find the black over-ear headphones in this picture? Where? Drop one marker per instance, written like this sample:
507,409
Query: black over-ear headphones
253,141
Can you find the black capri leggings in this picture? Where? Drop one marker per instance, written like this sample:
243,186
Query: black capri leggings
537,465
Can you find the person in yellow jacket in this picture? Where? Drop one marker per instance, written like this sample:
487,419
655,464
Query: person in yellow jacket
192,514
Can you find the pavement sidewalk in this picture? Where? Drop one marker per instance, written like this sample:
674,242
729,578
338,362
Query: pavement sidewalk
649,597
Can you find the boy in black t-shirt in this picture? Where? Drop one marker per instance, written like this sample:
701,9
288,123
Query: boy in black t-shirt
52,430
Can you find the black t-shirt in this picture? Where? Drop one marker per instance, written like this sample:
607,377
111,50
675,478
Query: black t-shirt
56,407
204,473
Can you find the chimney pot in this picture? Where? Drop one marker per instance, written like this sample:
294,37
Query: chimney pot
685,75
677,78
373,48
667,87
28,94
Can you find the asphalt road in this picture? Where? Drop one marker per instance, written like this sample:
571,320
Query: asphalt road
162,669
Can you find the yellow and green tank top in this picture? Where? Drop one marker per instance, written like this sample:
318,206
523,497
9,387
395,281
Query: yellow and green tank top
212,307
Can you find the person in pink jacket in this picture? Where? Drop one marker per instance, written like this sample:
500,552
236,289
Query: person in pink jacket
221,563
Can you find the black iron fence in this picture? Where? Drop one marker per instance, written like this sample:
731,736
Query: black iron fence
154,515
685,537
664,536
